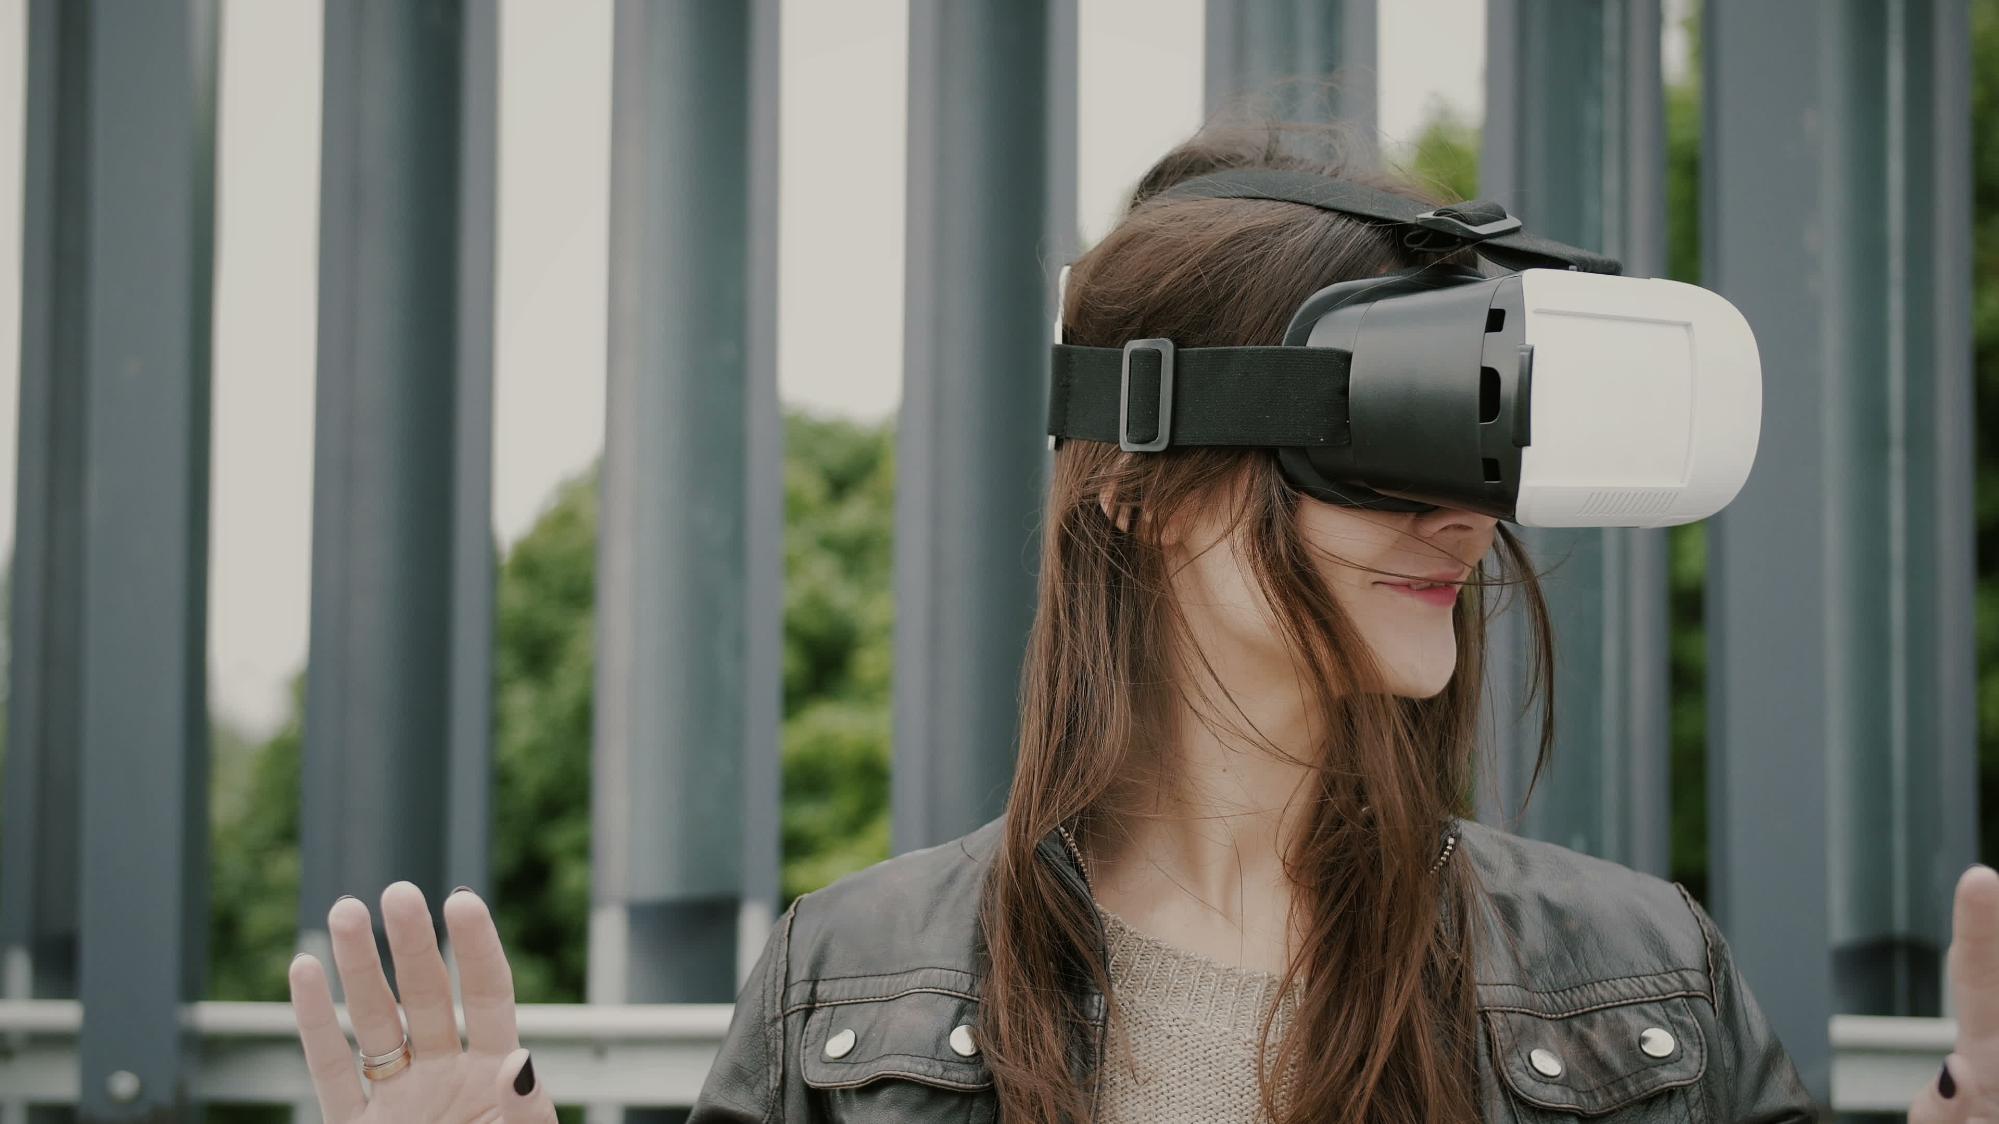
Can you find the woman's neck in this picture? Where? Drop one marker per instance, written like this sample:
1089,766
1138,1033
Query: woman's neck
1196,853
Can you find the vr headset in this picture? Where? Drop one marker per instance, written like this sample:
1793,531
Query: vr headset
1554,394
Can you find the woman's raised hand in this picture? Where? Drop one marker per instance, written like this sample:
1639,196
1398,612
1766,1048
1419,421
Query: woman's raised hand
1966,1087
488,1079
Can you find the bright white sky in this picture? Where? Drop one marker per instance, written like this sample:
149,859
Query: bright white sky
840,265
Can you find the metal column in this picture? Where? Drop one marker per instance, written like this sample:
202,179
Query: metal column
1064,238
1770,603
1575,144
107,864
763,510
38,850
687,668
474,548
1890,961
1840,582
1898,477
1279,49
971,441
400,570
1062,242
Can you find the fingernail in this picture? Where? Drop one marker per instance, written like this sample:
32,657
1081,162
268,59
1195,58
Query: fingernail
343,898
524,1080
459,890
1945,1085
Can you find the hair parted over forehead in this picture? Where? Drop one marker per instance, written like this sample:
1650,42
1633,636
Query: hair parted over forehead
1386,1029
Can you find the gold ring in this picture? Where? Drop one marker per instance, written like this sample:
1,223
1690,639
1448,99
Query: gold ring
376,1067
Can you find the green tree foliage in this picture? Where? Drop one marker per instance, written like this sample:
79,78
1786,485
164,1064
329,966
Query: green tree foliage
545,668
1444,158
254,861
1985,344
839,612
839,479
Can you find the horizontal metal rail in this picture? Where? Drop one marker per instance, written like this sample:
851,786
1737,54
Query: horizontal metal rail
658,1054
1880,1062
596,1054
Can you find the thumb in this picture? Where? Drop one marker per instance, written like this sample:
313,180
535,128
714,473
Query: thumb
523,1098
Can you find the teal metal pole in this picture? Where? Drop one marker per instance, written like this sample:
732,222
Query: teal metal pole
971,441
139,150
39,877
1899,519
400,490
763,511
1574,143
1840,685
468,857
686,775
1302,59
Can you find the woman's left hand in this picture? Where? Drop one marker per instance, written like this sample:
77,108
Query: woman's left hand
1967,1087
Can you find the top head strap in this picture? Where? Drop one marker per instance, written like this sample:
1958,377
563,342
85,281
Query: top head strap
1481,224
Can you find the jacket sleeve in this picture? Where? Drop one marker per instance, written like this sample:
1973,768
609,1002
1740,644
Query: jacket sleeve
1754,1080
746,1083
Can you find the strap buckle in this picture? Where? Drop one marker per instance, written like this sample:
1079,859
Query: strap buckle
1162,432
1456,230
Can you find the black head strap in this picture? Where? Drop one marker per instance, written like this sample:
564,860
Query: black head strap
1480,223
1150,393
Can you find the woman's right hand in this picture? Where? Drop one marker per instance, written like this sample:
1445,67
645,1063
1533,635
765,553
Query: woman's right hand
488,1079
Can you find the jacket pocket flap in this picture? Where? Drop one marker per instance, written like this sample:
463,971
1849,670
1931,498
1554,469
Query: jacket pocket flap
912,1035
1599,1060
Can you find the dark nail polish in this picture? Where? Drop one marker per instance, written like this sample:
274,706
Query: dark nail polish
1945,1084
459,890
524,1080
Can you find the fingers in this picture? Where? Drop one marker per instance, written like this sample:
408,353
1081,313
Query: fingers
1973,959
484,979
327,1055
1960,1091
523,1099
1953,1096
371,1006
421,978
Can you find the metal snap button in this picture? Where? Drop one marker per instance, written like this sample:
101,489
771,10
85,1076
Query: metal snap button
840,1044
961,1040
1656,1042
1545,1063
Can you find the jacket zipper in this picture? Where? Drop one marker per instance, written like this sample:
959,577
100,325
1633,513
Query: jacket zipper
1076,853
1103,1018
1450,844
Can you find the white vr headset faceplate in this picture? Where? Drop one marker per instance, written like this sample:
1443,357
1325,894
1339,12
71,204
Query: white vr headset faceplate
1647,401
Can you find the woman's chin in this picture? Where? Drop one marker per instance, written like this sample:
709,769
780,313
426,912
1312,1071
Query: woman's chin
1426,682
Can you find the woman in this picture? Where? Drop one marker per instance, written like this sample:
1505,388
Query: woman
1233,881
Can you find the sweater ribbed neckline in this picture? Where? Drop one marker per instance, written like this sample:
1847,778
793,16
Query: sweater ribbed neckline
1152,973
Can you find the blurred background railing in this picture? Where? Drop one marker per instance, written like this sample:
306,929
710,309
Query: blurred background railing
657,1054
751,649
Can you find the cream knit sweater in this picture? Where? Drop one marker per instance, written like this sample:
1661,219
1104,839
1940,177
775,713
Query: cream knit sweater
1190,1024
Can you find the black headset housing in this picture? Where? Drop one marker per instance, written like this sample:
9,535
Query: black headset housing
1406,437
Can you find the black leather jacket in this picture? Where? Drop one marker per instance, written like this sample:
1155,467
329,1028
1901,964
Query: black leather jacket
1603,993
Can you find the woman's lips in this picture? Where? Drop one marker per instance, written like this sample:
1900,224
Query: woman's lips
1443,595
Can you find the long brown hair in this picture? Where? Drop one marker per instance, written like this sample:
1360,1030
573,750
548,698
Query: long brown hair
1386,1029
